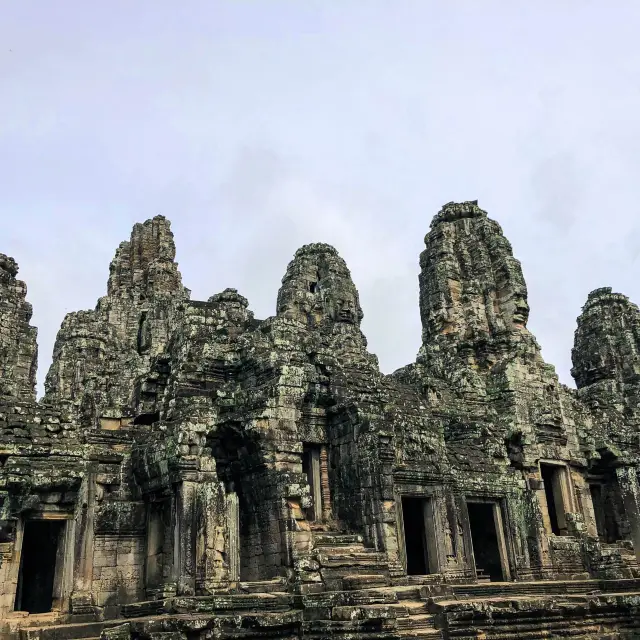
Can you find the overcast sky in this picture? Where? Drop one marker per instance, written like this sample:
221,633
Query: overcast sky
257,126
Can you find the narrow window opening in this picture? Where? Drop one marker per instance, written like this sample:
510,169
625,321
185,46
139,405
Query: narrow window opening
147,418
313,287
552,478
142,345
415,535
484,538
38,565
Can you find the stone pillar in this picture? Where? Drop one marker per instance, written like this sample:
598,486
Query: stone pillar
210,533
630,491
81,598
585,504
185,537
324,482
233,533
315,481
536,527
9,587
64,569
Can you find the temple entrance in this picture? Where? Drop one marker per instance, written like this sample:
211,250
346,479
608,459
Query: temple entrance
158,534
37,573
606,507
311,468
487,538
554,478
419,550
236,458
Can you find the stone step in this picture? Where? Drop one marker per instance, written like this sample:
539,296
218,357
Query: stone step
544,588
344,549
242,602
369,597
331,539
409,592
145,608
510,589
365,581
333,576
360,629
331,560
277,585
405,580
73,631
416,622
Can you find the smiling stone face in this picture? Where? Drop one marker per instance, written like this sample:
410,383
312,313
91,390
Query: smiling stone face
521,311
471,286
318,288
345,309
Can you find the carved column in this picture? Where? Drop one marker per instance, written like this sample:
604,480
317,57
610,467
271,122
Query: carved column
210,535
628,481
324,483
185,538
81,598
233,525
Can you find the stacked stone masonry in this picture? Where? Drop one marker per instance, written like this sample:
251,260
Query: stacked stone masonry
194,473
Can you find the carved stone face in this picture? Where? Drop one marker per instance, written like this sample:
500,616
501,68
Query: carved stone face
520,311
345,310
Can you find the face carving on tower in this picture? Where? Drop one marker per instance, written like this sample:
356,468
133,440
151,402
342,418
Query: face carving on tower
471,285
516,308
345,310
318,288
521,312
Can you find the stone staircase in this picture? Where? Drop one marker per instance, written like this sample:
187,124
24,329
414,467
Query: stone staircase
386,612
354,595
546,609
337,557
347,591
616,559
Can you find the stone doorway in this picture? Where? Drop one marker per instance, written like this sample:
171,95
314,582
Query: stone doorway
417,535
554,479
39,565
158,548
487,538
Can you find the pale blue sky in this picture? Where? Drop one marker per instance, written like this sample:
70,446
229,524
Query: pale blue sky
257,126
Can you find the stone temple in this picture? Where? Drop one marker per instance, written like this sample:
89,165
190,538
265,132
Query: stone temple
193,472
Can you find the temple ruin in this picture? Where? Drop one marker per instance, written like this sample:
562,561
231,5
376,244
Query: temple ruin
193,472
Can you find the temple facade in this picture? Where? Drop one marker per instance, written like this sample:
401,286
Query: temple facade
193,472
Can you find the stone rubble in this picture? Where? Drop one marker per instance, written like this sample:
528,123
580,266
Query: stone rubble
193,472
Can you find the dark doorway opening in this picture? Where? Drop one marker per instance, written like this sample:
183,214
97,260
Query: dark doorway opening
605,507
158,535
414,511
485,540
147,418
40,543
237,458
552,478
